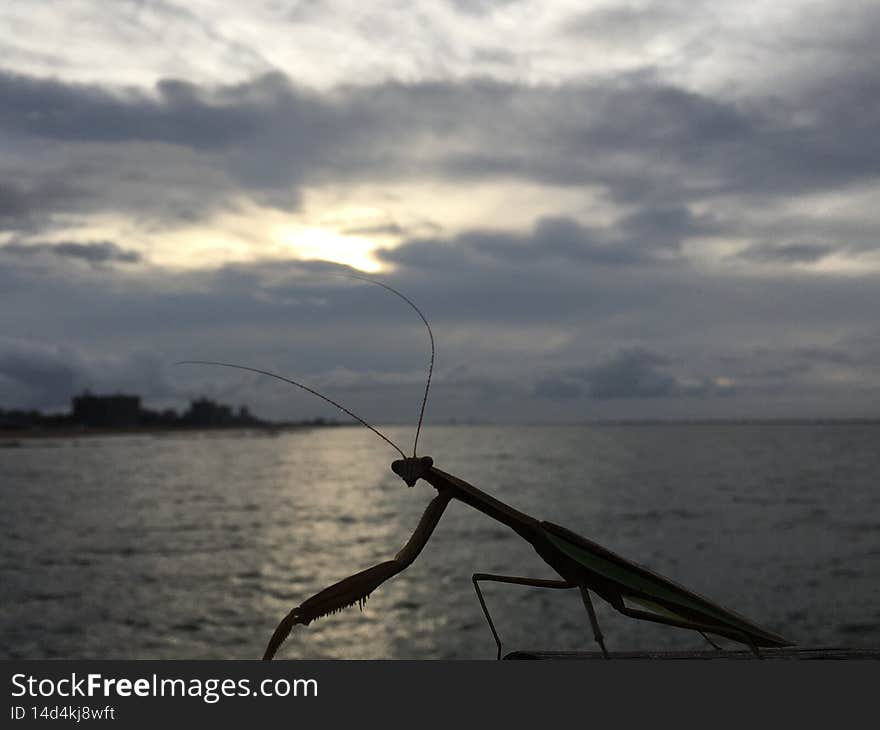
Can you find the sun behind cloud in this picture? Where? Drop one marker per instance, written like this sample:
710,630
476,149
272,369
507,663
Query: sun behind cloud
311,243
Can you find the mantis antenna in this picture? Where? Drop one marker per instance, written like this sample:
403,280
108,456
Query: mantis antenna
298,385
330,400
430,336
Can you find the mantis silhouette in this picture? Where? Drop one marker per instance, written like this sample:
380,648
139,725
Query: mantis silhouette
580,564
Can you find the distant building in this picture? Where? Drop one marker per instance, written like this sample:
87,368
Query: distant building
204,412
106,411
167,418
125,411
21,419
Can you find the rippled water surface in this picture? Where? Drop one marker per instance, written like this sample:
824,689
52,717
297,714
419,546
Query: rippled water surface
195,545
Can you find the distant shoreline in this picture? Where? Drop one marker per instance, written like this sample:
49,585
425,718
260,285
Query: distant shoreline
729,422
14,434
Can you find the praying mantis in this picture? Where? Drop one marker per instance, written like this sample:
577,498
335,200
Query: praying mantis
579,563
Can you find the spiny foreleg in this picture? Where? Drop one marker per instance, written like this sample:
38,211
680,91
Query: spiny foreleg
348,592
357,588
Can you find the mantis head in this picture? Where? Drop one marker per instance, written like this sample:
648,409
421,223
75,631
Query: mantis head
412,469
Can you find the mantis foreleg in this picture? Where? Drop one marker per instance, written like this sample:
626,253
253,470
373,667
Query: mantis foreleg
356,588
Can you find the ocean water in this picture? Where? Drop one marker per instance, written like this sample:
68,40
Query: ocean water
194,545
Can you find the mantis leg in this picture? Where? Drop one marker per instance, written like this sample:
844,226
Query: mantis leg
356,588
682,624
597,632
536,582
706,637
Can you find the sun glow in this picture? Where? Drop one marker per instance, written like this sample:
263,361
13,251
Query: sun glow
252,234
321,244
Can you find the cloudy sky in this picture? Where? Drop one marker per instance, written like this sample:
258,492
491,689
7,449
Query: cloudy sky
606,209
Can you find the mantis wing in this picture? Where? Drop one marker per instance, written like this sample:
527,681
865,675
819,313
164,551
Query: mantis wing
665,599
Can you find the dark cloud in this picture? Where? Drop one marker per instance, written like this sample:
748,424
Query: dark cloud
13,203
43,375
642,141
558,388
632,373
94,252
380,229
792,253
551,238
38,374
625,24
559,238
480,7
180,113
638,373
22,207
666,226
